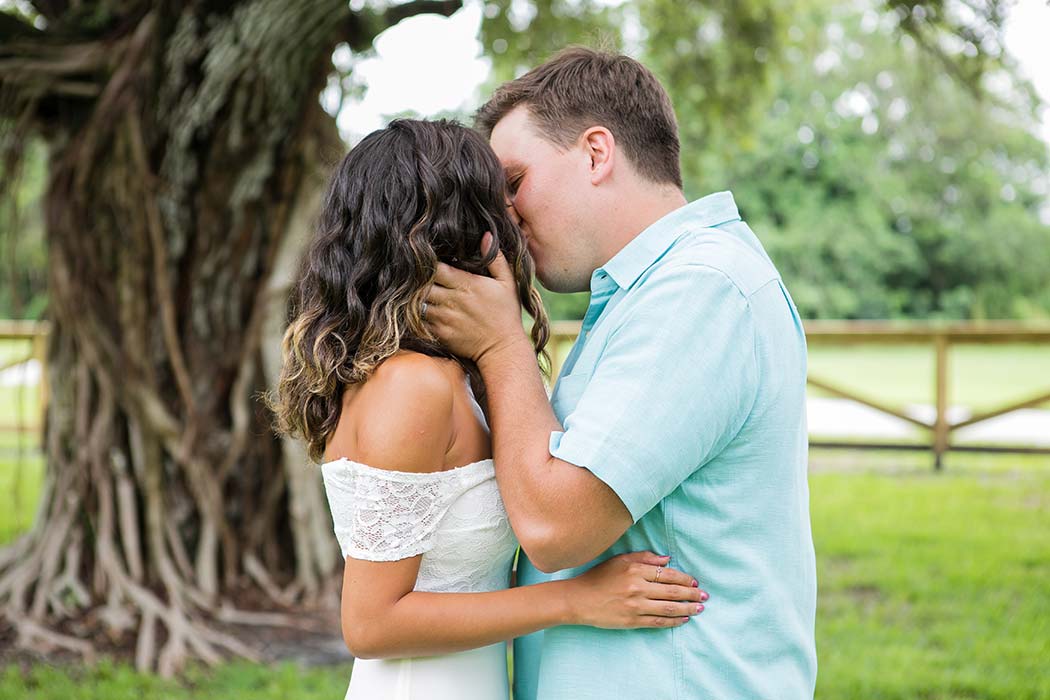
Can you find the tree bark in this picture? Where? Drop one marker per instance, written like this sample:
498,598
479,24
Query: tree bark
187,148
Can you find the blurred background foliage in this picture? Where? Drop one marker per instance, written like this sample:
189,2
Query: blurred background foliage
885,153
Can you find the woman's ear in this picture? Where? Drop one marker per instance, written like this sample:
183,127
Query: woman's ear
600,147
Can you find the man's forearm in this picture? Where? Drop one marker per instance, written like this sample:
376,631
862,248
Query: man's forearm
522,421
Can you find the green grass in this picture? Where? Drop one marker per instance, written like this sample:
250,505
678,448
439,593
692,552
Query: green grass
232,681
931,586
20,485
934,586
18,406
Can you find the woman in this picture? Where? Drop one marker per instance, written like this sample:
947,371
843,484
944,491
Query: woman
405,447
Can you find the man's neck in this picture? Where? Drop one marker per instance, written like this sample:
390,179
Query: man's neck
630,216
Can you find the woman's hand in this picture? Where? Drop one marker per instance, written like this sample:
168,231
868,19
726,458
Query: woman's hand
634,590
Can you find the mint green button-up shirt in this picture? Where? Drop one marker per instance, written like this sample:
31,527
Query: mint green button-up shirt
685,393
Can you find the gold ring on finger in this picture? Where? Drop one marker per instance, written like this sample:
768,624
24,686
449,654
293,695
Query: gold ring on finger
659,570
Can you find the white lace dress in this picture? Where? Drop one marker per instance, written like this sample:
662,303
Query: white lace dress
457,521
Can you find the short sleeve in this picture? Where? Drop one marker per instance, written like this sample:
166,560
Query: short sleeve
674,384
381,515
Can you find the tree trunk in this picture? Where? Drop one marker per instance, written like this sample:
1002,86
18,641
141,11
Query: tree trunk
185,151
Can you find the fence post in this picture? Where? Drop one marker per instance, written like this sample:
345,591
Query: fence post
940,426
40,353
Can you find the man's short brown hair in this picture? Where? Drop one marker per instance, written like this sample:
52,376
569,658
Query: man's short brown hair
579,88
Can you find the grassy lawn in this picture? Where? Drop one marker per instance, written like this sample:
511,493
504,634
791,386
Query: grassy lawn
932,586
235,681
20,484
18,406
14,349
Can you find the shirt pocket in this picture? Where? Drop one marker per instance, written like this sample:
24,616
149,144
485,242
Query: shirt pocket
567,394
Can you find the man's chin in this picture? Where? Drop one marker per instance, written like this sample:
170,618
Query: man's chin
557,284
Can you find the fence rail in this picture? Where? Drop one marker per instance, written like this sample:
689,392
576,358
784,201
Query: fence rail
941,338
35,332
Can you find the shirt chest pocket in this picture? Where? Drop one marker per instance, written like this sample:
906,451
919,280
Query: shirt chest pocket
567,394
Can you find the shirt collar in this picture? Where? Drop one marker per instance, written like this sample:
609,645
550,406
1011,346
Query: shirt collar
656,239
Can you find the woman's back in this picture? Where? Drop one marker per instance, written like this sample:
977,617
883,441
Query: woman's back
413,477
389,502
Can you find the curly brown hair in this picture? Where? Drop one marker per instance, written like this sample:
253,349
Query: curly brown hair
403,199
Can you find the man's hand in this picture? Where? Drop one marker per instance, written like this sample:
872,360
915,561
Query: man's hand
563,515
474,316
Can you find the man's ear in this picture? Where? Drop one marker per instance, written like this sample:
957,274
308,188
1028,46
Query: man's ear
600,146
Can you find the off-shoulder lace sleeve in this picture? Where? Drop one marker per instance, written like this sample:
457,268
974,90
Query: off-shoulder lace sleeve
382,515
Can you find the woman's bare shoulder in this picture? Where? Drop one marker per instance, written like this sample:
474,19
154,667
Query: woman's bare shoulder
401,417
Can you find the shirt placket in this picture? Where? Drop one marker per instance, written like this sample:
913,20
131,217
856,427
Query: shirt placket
602,290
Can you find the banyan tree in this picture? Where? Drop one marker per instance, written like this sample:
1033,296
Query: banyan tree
185,150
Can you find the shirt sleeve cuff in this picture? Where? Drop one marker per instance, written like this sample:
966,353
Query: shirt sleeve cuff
637,498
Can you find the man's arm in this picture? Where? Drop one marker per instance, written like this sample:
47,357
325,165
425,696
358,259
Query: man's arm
563,515
668,394
382,614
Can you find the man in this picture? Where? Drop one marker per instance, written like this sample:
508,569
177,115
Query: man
678,422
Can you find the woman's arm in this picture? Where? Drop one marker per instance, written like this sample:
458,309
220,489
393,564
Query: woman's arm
402,421
382,617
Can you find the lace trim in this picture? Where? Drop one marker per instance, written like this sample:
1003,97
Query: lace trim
386,515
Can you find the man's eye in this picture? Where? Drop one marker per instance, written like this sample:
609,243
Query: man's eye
512,185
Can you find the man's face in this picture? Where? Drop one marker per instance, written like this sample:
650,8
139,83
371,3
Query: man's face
549,190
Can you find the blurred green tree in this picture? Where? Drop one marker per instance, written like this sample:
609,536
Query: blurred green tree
874,147
886,187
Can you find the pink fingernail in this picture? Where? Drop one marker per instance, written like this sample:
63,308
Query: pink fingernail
695,584
703,595
699,607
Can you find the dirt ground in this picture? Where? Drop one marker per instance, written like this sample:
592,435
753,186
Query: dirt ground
315,641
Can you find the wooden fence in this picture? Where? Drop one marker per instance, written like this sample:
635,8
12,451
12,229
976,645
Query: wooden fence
35,334
940,337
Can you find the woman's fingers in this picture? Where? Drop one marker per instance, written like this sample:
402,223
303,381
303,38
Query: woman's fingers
660,591
646,558
666,608
663,574
672,584
657,621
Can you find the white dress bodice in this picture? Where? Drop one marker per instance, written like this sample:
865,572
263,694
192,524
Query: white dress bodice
456,520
